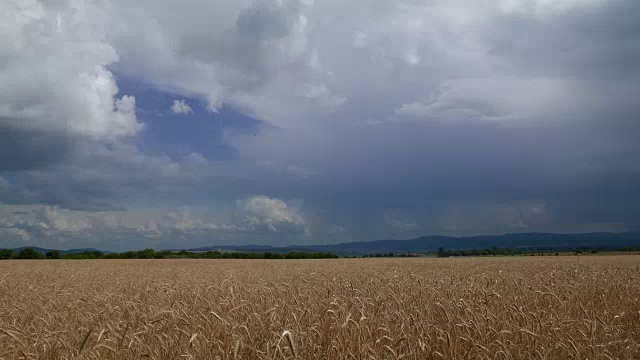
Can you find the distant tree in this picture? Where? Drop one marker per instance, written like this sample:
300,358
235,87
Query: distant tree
54,254
212,254
163,254
5,254
28,253
128,255
146,254
294,255
443,253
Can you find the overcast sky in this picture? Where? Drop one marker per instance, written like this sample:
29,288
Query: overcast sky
132,124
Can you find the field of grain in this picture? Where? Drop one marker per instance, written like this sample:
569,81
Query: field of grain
471,308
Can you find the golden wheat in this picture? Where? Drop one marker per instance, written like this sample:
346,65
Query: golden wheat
471,308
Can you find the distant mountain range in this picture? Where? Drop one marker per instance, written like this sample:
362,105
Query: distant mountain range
433,242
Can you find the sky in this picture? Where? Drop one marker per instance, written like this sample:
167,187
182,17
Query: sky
175,124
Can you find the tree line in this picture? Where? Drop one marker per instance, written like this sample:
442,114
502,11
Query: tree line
495,251
29,253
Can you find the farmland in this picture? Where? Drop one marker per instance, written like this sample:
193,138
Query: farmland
418,308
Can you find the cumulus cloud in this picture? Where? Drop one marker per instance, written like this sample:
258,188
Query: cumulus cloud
181,107
273,214
258,219
42,223
182,220
255,55
56,88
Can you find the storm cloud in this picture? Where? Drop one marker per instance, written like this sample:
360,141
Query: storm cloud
372,119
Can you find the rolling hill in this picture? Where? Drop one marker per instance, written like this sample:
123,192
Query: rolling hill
434,242
605,241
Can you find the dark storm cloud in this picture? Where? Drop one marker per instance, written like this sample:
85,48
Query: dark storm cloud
597,43
394,119
27,150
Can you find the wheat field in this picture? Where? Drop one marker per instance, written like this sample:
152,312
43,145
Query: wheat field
422,308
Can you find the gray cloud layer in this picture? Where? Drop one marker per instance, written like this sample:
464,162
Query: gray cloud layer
393,119
258,219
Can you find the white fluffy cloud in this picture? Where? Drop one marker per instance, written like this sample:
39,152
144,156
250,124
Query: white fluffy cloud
181,107
256,55
54,74
255,219
274,214
56,87
295,64
43,223
284,61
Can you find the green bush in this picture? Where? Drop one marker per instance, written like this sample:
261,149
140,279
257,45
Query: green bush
54,254
146,254
6,254
28,253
